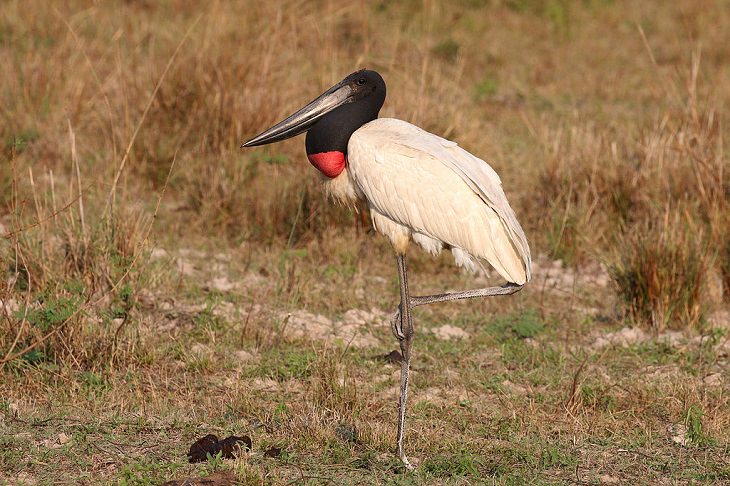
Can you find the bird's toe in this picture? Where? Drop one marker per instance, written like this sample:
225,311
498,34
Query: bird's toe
396,325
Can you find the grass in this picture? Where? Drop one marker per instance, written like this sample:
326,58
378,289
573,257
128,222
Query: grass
661,274
149,265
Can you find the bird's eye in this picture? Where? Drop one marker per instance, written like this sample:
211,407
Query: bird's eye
360,81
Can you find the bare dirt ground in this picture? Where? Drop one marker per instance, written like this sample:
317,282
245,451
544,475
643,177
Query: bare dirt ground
500,393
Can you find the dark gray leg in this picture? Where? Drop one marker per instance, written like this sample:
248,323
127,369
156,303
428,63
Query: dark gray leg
506,289
416,300
402,326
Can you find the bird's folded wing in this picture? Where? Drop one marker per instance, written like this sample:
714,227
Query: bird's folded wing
486,183
479,176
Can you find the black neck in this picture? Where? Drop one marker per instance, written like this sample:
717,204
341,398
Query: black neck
333,131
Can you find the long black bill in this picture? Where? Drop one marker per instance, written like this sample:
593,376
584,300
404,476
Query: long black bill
302,120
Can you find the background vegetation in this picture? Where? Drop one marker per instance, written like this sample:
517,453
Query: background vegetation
154,274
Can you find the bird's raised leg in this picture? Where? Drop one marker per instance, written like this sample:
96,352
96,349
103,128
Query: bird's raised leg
506,289
402,326
416,300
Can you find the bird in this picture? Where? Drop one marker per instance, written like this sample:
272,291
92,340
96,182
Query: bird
419,188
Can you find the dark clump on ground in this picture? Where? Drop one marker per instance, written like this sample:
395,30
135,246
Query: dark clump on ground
209,446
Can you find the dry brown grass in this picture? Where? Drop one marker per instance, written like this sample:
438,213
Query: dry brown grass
606,120
661,272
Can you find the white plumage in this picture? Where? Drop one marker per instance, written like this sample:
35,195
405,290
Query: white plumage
423,187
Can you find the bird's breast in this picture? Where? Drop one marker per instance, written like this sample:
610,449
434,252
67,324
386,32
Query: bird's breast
330,164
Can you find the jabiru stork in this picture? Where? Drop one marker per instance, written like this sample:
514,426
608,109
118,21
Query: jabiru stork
418,186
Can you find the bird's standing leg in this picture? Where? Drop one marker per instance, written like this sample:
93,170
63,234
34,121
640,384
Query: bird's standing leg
402,326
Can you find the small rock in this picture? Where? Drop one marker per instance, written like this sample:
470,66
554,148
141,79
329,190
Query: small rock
448,331
222,284
190,253
159,254
624,338
10,305
243,356
199,349
514,388
533,343
265,384
226,310
185,267
672,338
713,379
166,305
50,444
60,441
719,319
254,280
607,479
353,329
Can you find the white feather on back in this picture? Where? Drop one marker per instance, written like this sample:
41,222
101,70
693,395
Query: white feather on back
438,191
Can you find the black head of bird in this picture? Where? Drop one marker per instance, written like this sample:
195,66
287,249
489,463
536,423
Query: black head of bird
331,119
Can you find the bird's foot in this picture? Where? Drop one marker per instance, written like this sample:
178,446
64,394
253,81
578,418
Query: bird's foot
395,325
406,463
